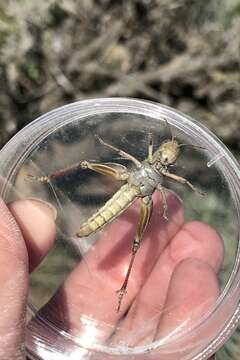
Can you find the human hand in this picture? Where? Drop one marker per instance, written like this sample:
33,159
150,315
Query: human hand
181,258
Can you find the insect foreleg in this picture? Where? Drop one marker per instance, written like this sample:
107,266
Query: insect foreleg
145,214
121,152
182,181
164,200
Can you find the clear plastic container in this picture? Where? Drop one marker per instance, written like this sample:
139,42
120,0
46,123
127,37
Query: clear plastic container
86,324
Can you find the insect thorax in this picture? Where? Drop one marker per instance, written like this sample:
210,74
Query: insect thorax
145,179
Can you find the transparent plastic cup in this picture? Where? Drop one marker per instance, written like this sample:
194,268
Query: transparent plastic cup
68,135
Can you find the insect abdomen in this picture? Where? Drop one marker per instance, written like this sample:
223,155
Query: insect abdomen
120,201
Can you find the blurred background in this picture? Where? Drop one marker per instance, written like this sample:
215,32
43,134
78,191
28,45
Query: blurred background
181,53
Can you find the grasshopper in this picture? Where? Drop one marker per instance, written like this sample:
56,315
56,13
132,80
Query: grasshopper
142,181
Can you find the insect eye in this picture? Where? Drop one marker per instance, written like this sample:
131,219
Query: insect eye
165,159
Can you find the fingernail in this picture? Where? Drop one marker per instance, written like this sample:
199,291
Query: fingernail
33,206
36,220
53,210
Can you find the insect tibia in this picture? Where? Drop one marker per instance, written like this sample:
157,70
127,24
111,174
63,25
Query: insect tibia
121,292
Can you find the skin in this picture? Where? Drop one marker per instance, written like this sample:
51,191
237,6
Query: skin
171,251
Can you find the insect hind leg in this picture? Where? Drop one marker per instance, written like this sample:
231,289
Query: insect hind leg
145,215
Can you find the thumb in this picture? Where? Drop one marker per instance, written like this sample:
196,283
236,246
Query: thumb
13,286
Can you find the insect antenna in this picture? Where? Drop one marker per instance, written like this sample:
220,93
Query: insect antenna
169,129
194,146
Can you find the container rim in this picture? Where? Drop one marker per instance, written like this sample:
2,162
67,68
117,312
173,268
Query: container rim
37,130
